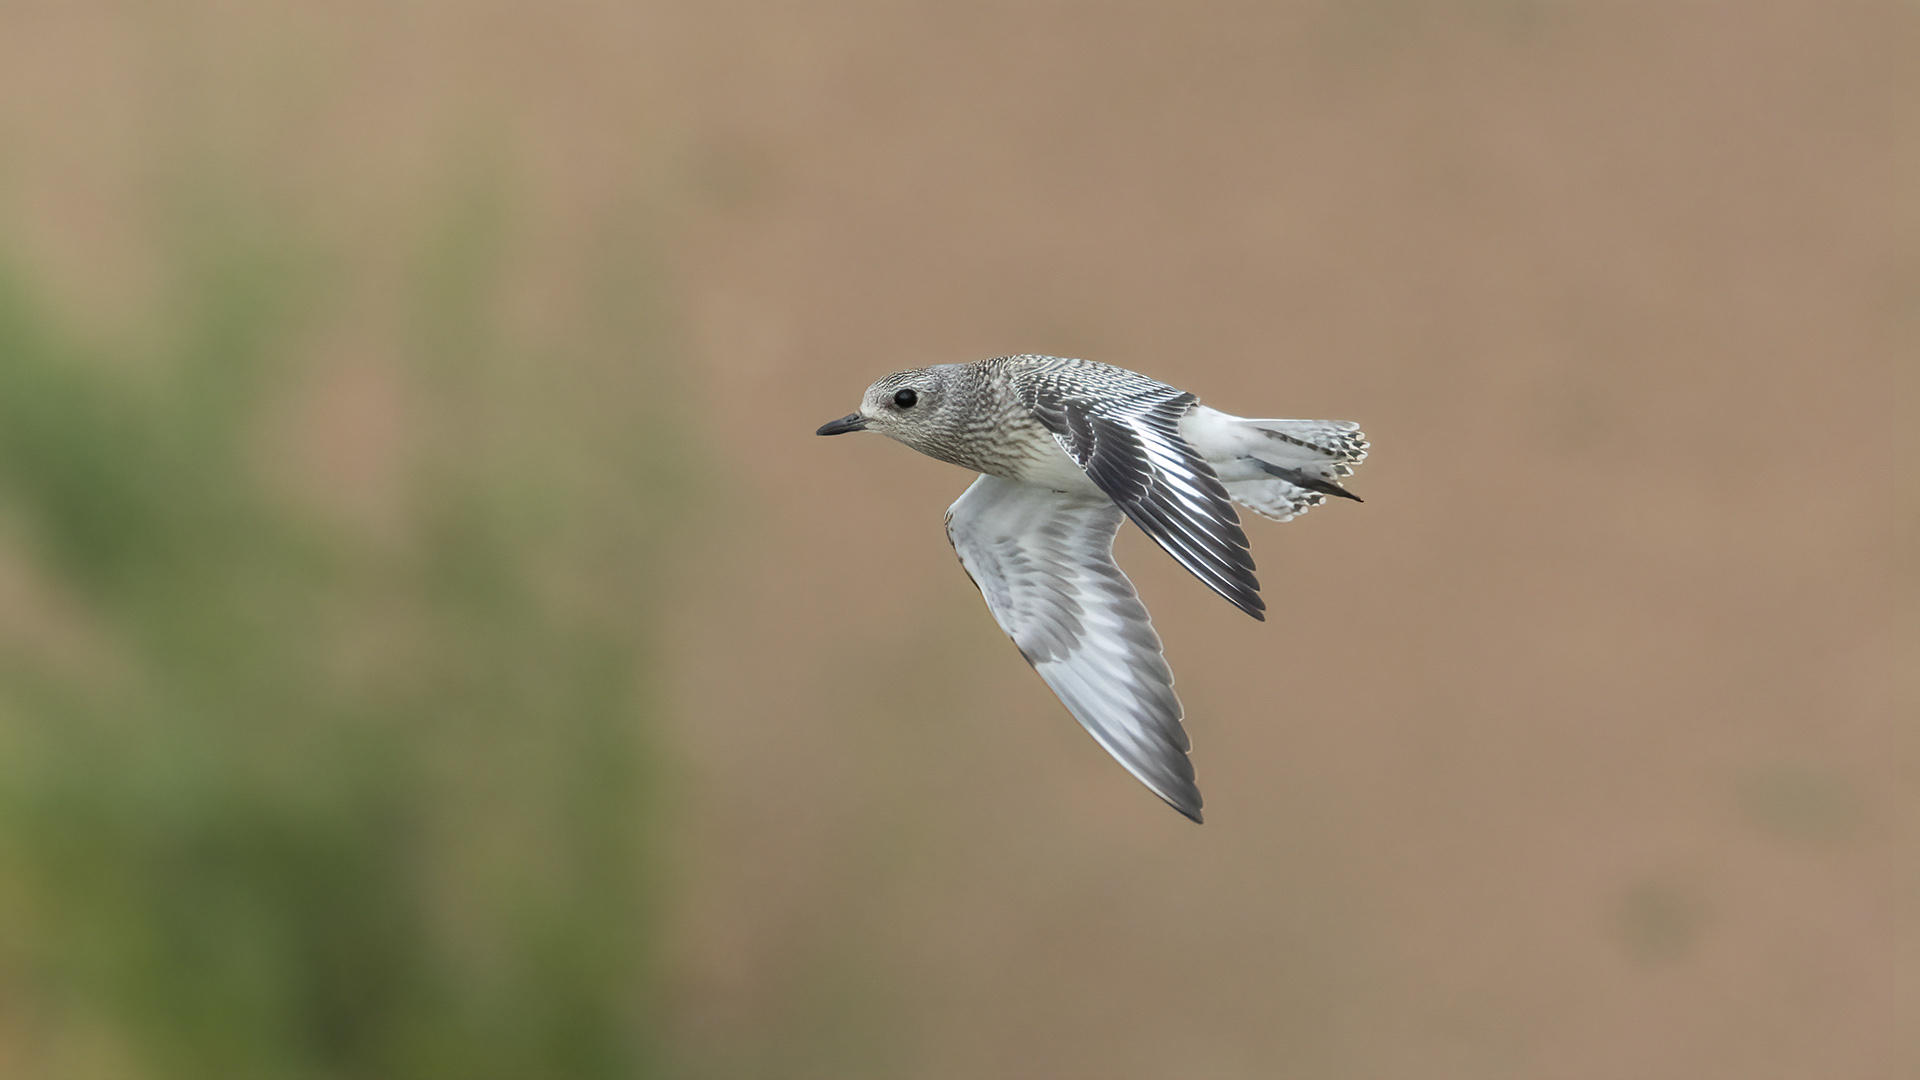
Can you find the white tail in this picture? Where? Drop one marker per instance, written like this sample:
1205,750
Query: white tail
1277,468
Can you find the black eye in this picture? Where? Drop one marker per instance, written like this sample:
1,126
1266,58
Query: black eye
905,399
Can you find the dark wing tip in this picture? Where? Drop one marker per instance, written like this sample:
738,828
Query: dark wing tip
1181,792
1299,478
1191,813
1246,597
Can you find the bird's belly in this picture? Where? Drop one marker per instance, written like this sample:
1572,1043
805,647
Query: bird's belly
1044,464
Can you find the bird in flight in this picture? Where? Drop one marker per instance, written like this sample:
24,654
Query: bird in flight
1068,449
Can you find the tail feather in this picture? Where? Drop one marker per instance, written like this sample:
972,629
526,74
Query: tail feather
1283,468
1334,446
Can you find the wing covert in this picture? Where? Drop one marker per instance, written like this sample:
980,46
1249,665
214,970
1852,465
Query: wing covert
1124,430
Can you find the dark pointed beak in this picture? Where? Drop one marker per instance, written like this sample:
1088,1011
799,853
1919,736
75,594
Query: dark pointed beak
849,422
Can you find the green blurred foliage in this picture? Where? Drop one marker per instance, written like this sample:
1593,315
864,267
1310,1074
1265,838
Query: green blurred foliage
303,801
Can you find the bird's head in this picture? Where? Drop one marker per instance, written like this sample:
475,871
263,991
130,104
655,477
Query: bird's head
905,405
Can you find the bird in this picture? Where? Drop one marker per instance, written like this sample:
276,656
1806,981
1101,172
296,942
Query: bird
1067,450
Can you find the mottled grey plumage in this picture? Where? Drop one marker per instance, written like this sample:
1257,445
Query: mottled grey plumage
1069,448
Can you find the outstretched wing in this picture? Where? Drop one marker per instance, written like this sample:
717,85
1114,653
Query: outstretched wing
1044,562
1124,430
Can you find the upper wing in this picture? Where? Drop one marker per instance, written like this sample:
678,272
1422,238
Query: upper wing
1124,430
1044,562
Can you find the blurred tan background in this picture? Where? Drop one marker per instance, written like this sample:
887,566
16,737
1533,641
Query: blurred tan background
436,645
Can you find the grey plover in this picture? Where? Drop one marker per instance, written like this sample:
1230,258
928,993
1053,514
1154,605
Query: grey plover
1067,449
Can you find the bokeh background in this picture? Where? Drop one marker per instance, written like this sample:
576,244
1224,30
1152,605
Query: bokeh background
433,644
